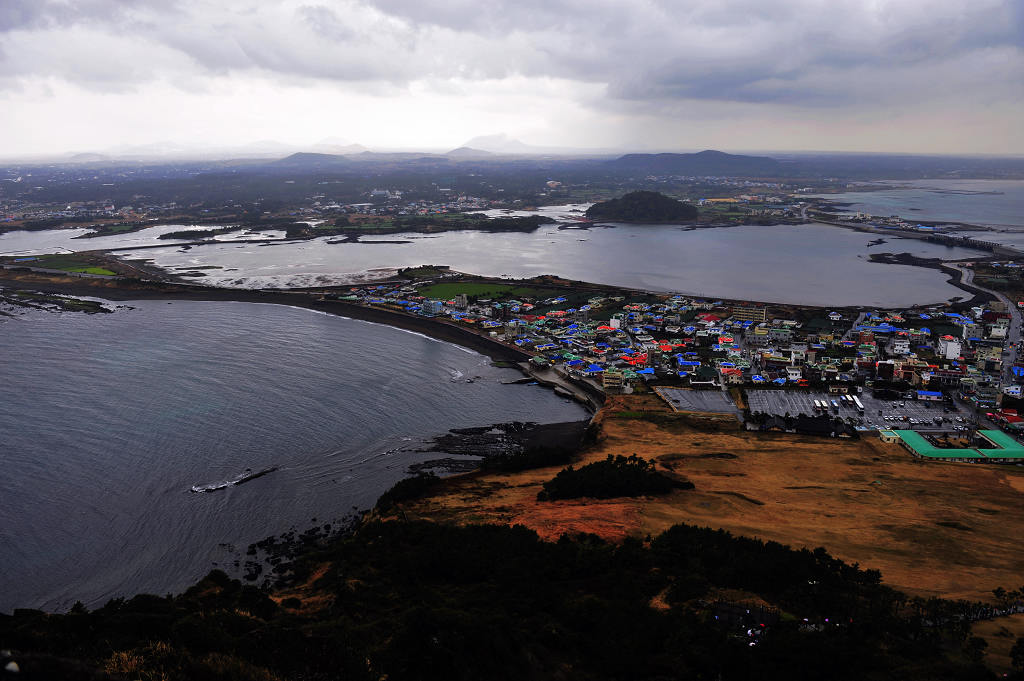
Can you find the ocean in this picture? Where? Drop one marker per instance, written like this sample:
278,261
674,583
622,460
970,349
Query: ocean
109,421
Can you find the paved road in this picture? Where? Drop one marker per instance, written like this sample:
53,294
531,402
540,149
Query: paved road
1013,335
851,331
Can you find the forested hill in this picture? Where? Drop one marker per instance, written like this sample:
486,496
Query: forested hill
642,206
423,600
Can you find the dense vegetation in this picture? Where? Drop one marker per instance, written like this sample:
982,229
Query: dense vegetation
444,222
407,489
432,601
616,476
199,233
642,206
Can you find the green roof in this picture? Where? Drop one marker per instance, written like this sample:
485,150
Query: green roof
926,449
1005,447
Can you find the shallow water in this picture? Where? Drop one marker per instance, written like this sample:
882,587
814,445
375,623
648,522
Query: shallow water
809,264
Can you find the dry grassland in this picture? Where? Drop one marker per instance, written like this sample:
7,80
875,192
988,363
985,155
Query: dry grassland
944,529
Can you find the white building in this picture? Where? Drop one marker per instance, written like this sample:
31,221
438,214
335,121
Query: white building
949,347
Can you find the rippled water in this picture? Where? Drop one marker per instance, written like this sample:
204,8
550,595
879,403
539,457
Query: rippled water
108,421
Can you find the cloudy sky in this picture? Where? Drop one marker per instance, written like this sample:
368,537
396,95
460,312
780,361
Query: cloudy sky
872,75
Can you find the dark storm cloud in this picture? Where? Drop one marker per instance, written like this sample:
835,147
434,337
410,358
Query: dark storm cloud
804,52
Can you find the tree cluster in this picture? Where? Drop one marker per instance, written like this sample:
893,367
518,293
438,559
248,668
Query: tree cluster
420,600
616,476
642,206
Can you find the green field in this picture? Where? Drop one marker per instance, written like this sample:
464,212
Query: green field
69,263
90,270
126,227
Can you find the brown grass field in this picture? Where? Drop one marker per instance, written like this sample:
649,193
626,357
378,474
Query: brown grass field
944,529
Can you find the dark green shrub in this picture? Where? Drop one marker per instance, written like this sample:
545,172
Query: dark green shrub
616,476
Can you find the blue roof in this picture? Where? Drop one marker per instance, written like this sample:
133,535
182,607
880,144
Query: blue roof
575,363
646,372
757,378
780,381
1018,371
929,393
594,368
683,374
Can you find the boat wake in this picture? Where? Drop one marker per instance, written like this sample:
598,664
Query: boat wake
246,476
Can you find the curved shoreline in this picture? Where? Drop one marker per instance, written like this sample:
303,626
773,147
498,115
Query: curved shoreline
427,326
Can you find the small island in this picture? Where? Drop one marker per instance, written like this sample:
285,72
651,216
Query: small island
643,206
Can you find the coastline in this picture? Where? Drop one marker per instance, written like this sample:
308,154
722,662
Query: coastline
113,289
429,327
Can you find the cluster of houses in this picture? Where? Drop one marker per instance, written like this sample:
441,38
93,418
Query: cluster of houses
389,202
82,210
614,342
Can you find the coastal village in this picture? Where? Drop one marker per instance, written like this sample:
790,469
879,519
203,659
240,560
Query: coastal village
940,381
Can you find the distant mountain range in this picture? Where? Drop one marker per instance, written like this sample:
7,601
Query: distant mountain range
708,162
306,159
469,152
501,144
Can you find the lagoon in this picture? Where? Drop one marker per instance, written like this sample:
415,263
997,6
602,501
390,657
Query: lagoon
810,264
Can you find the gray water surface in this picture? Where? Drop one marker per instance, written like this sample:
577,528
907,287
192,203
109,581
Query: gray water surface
974,202
810,264
107,422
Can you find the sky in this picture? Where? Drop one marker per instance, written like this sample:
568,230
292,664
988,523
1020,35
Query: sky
935,76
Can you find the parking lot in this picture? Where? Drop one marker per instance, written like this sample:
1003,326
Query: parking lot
711,401
878,414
